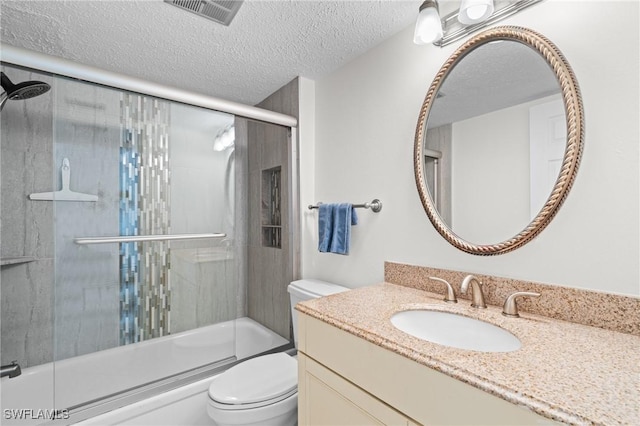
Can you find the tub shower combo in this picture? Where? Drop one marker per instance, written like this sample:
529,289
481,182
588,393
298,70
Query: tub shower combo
126,246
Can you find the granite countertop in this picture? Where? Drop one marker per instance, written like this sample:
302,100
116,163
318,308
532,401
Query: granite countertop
567,372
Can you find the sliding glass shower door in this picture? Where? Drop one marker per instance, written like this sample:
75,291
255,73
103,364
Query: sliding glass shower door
144,227
146,243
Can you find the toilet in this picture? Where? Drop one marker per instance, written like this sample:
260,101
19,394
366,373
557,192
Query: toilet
264,390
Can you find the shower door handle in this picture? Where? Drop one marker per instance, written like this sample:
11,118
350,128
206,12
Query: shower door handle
145,238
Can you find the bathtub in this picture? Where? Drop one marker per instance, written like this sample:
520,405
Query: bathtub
77,380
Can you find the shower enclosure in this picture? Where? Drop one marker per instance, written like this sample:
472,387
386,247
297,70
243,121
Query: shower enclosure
125,238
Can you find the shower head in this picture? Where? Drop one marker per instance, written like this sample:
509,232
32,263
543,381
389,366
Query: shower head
21,91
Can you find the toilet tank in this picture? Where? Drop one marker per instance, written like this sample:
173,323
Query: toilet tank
302,290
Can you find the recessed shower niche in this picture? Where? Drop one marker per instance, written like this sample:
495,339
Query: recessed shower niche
271,208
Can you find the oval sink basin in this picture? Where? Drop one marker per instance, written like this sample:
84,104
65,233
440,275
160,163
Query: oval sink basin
449,329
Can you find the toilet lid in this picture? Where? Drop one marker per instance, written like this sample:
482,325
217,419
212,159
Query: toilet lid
259,379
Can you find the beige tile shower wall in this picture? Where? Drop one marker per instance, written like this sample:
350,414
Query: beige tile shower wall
270,269
603,310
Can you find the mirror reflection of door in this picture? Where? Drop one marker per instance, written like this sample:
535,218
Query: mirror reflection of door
547,138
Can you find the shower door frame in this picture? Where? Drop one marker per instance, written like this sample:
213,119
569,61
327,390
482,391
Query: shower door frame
37,61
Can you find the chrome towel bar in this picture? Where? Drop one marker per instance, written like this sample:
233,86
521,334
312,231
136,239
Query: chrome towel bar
144,238
375,206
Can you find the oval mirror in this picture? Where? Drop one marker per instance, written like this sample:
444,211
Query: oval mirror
498,140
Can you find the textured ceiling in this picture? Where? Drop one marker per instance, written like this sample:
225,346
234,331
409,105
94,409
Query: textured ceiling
268,44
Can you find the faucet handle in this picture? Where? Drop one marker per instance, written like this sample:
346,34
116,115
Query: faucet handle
451,294
510,308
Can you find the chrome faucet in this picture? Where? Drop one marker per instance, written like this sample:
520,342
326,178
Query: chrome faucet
451,294
477,297
12,370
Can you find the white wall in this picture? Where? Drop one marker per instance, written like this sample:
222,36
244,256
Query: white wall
306,155
490,196
366,113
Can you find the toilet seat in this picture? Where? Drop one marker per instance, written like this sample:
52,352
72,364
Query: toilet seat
255,383
234,407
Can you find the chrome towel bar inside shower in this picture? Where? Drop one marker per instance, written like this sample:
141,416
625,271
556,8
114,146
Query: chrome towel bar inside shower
145,238
375,206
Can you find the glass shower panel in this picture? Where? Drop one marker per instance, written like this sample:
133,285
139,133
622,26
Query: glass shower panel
27,249
132,312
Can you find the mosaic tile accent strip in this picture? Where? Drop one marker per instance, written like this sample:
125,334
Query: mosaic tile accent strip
129,270
145,184
604,310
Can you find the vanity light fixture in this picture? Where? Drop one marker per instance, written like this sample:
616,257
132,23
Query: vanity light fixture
428,25
472,16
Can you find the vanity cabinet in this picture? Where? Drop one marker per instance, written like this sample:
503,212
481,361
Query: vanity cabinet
346,380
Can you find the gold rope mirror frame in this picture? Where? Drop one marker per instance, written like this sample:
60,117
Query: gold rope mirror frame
574,144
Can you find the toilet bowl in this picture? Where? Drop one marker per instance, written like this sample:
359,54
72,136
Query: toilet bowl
260,391
264,390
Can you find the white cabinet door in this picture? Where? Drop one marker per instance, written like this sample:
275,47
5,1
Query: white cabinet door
324,398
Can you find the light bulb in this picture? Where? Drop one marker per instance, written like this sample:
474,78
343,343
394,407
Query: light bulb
474,11
428,25
225,139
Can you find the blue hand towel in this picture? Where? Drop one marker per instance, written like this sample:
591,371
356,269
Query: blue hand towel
325,226
334,223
